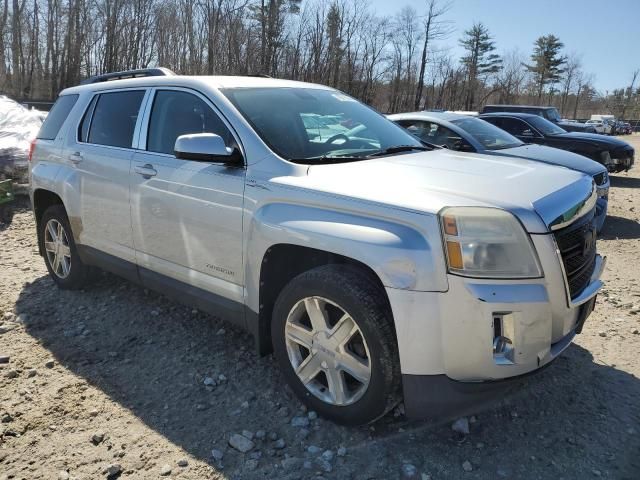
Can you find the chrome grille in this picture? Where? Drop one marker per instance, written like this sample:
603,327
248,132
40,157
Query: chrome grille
577,245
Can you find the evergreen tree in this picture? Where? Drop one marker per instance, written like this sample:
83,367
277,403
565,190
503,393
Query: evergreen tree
480,59
547,62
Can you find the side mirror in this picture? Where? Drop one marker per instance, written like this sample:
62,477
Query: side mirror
206,147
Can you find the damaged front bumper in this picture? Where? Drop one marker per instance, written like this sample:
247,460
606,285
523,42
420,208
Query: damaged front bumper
491,334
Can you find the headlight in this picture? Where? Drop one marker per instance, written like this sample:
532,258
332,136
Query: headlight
487,243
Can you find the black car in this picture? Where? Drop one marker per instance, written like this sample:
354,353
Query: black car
550,113
615,154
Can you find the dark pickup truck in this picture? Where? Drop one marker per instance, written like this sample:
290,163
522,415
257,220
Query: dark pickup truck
550,113
615,154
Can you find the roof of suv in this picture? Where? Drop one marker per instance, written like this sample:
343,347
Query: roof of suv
215,81
520,106
522,115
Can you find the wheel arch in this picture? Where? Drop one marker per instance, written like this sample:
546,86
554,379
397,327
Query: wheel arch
280,264
401,252
42,200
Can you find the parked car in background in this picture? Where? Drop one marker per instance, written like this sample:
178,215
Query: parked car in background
550,113
615,154
468,134
625,128
374,267
622,128
601,126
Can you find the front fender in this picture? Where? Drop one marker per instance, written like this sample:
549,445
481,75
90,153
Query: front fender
404,255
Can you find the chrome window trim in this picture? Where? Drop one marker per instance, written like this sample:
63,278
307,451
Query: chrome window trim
98,93
144,129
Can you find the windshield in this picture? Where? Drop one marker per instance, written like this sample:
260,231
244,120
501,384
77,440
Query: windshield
310,125
490,136
553,115
545,126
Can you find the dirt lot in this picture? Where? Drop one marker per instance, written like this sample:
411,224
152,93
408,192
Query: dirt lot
115,381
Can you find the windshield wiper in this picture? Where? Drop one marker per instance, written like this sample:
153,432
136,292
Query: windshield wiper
329,159
400,149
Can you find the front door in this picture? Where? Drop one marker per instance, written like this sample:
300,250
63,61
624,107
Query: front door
186,215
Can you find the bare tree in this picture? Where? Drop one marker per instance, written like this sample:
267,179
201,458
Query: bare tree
435,28
572,71
394,63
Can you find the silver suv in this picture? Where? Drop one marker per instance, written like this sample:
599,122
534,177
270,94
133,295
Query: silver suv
374,266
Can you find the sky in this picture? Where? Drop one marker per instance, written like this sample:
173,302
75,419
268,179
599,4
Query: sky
605,33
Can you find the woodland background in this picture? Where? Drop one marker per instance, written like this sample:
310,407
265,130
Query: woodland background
397,63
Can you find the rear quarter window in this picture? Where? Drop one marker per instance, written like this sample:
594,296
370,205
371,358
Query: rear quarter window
56,117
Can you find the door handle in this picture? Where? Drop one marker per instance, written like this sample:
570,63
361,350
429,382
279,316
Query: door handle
147,171
75,157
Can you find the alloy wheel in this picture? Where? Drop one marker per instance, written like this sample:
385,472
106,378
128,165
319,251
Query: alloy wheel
327,351
56,245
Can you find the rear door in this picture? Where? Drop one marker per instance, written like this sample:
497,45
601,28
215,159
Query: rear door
187,215
101,149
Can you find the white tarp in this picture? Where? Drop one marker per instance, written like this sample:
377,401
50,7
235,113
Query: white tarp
18,126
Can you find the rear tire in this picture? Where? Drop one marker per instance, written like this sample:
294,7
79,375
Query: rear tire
59,250
358,373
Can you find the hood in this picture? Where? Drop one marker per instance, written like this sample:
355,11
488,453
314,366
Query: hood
430,181
607,142
553,156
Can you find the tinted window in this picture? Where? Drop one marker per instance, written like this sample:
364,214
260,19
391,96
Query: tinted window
86,120
56,117
308,125
176,113
490,136
547,127
434,133
553,114
516,127
114,118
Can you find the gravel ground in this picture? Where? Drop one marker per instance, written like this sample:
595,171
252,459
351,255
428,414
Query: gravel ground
116,381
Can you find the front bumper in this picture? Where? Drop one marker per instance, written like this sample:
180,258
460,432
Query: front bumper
622,161
452,335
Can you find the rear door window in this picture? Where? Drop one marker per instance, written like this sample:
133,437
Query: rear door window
56,117
114,118
434,133
516,127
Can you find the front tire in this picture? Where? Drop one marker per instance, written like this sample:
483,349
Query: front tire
334,339
59,250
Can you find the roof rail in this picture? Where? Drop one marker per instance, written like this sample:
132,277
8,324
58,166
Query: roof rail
144,72
259,75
